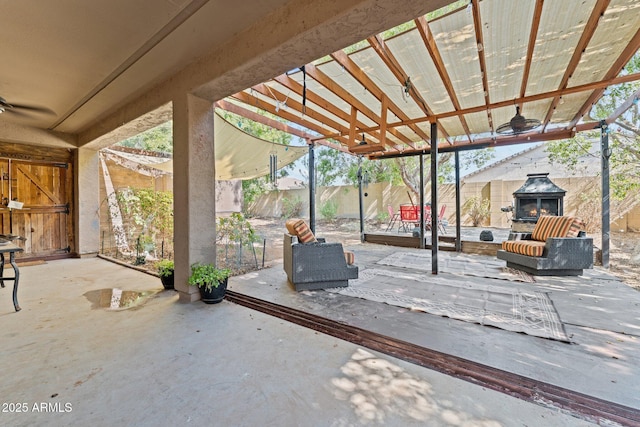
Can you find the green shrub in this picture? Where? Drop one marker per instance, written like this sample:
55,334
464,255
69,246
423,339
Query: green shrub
329,210
477,209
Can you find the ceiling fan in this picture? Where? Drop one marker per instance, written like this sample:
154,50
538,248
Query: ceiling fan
21,109
518,124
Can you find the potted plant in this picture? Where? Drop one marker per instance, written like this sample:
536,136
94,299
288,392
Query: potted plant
165,271
211,281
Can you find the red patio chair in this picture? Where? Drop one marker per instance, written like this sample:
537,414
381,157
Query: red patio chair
427,217
441,227
393,218
408,216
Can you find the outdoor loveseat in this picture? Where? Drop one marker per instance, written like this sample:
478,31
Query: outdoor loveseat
554,248
311,263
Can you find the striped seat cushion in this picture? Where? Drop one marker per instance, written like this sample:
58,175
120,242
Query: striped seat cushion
576,227
524,247
350,257
298,227
290,223
552,226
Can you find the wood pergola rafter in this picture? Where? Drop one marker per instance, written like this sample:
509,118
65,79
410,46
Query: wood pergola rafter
275,124
311,96
338,90
356,72
256,102
533,34
269,92
615,69
432,48
378,44
587,34
477,27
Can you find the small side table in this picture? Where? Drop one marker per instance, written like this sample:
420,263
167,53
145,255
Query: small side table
11,249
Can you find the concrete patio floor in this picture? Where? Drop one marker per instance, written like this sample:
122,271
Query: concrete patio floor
70,361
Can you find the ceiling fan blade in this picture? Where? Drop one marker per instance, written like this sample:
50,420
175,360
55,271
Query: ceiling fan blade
14,108
505,129
33,108
9,110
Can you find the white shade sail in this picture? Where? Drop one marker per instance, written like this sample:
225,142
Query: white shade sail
238,155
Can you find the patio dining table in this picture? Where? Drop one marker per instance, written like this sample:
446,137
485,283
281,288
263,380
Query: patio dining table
11,249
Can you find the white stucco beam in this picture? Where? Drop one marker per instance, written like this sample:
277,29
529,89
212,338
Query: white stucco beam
21,134
301,31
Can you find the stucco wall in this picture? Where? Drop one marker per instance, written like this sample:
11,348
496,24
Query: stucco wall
582,199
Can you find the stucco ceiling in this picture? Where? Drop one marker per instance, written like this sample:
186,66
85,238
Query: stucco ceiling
80,59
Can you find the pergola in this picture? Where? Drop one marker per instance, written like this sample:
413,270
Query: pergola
466,72
455,82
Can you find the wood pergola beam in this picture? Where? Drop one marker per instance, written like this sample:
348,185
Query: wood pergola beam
357,73
314,98
483,143
432,48
530,98
267,121
379,46
589,29
339,91
256,102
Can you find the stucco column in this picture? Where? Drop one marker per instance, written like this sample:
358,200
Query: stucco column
87,202
193,189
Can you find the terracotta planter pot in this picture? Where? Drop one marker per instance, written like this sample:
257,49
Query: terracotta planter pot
214,295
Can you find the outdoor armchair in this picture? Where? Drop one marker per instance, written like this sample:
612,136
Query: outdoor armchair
556,247
312,263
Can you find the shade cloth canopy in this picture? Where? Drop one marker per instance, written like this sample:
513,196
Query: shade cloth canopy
238,155
466,71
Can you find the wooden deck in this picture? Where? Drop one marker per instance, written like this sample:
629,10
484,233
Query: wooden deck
445,243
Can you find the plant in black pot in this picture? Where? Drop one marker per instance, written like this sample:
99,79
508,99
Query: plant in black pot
165,271
211,281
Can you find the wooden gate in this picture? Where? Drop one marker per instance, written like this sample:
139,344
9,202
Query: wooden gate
45,191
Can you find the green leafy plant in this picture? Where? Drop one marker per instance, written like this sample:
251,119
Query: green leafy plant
148,213
329,210
165,267
207,276
478,210
235,228
251,190
382,217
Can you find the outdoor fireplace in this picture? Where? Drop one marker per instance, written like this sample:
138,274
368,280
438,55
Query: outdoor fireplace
537,196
